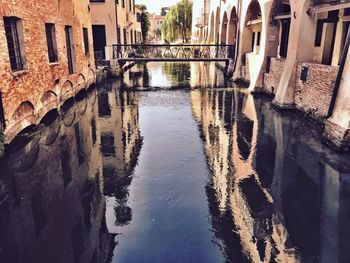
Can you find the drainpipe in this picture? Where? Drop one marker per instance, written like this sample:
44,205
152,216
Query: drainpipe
340,75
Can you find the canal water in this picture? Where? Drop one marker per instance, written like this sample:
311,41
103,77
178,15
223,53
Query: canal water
173,164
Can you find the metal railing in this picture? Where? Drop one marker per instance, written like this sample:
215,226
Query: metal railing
173,52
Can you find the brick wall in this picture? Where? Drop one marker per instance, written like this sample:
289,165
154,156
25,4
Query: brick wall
29,87
315,93
272,79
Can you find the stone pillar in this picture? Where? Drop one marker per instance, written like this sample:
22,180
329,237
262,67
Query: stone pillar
268,46
266,33
301,48
337,130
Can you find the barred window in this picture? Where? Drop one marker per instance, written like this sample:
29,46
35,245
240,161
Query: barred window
51,42
119,36
86,41
70,49
14,37
124,35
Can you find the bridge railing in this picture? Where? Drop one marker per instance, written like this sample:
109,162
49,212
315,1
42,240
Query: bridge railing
173,51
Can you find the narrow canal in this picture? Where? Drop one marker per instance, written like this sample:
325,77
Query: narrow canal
173,164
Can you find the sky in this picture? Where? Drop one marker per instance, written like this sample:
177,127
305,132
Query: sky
154,6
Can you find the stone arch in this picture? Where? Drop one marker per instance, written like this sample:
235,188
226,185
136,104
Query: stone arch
252,28
232,27
224,29
23,117
47,102
48,97
279,26
24,110
212,28
91,77
81,79
278,30
81,83
217,25
252,47
67,91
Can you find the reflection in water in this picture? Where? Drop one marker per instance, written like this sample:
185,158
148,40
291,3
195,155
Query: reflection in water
87,187
287,196
174,75
52,187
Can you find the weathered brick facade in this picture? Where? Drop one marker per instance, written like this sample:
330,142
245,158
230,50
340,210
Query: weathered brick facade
29,94
272,79
314,94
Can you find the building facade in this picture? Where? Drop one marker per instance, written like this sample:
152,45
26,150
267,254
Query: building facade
46,57
200,21
155,33
295,50
114,22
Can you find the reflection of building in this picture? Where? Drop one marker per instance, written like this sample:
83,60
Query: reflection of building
308,71
62,192
45,58
204,74
114,22
266,189
120,146
51,205
156,22
177,75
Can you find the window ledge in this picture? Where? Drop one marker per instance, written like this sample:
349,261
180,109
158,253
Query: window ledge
19,73
53,64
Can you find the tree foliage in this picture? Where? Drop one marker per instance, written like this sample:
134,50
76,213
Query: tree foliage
164,10
145,23
178,22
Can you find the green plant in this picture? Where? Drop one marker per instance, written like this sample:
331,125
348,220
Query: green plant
178,22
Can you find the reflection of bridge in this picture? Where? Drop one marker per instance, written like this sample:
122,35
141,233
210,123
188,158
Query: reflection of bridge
173,53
